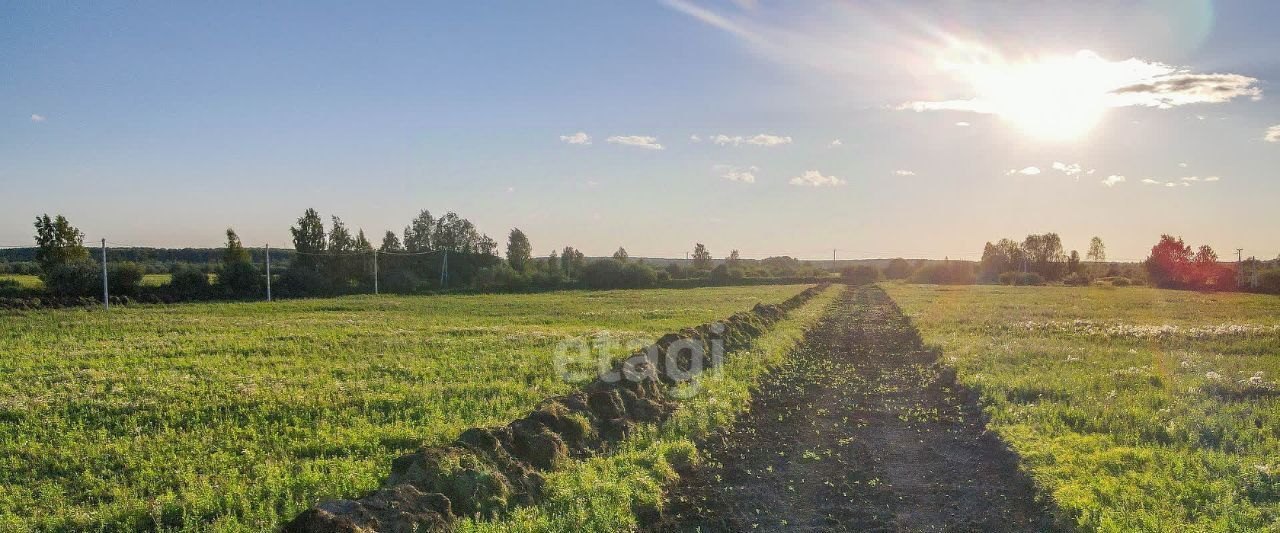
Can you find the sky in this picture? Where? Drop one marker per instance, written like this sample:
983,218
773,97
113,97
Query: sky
871,129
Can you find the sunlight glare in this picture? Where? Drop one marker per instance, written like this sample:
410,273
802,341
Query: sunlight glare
1058,98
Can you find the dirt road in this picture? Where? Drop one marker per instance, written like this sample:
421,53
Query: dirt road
862,430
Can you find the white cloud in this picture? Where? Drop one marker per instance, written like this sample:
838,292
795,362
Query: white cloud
1029,171
813,178
577,138
1074,169
695,138
837,142
1149,181
511,190
1212,178
762,139
1113,179
639,141
35,117
1272,135
962,124
732,173
1183,165
1191,178
904,173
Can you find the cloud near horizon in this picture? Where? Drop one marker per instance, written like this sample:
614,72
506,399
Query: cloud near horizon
576,138
732,173
1272,135
639,141
813,178
36,117
1028,171
1113,179
762,139
904,173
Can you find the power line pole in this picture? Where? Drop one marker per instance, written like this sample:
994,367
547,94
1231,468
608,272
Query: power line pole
444,270
268,272
106,295
375,272
1239,267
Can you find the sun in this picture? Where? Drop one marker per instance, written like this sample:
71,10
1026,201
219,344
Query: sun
1053,98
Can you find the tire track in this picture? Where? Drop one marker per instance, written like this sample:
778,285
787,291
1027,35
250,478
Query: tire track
862,430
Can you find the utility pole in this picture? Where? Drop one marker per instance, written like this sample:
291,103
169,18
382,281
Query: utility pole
375,272
1239,267
444,270
106,295
268,272
833,256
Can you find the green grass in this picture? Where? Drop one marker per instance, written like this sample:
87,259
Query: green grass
236,416
33,282
600,493
1134,409
24,281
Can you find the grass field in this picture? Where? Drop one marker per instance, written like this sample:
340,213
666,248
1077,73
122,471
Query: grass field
1135,409
235,416
24,281
33,282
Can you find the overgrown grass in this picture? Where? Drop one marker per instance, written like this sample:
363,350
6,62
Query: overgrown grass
33,282
24,281
1135,409
236,416
600,493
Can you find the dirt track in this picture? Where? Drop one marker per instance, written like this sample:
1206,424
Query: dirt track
861,431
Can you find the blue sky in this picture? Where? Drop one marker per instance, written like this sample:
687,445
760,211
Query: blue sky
164,123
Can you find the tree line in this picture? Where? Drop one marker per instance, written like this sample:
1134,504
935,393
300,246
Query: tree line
429,254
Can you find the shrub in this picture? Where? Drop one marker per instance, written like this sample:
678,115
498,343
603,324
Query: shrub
720,274
76,278
945,273
304,280
10,287
239,280
613,274
860,274
124,279
398,281
1075,279
1269,281
1021,278
188,281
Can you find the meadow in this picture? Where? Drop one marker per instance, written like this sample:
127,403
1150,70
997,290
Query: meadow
236,416
1133,409
33,282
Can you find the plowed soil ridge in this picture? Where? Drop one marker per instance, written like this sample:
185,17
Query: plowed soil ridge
862,430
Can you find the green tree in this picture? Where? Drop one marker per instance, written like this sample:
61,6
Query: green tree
390,243
58,243
308,240
1097,251
417,235
519,251
734,258
620,254
572,262
898,268
701,257
237,276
